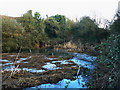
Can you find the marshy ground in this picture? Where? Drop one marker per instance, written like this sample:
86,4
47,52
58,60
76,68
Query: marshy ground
36,69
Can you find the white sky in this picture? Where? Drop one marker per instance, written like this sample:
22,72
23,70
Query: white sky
70,8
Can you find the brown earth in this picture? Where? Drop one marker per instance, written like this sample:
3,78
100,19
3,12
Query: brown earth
24,79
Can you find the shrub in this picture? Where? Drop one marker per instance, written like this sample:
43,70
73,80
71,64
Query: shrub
107,73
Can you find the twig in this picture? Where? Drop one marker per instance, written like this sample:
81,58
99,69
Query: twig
15,68
18,53
78,71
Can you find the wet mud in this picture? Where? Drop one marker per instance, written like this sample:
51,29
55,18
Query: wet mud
35,69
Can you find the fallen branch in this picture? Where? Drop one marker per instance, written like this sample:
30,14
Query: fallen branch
14,69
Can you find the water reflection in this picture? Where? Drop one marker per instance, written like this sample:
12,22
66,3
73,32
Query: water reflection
51,52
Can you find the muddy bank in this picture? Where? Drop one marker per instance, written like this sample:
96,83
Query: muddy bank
79,48
23,78
30,70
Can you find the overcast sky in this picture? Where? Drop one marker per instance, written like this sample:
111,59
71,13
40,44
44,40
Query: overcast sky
70,8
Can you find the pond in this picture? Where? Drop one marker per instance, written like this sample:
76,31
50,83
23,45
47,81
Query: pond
54,61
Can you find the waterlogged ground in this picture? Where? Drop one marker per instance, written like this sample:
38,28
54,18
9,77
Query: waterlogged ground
46,71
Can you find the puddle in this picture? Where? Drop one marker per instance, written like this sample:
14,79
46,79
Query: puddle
10,62
33,70
30,57
19,69
7,64
21,59
51,58
3,60
65,62
85,57
83,63
56,61
65,83
50,66
84,60
74,66
62,62
9,68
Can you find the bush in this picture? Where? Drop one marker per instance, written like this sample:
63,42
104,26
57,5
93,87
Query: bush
11,32
88,31
107,73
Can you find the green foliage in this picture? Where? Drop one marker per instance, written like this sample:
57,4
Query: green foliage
108,64
11,31
115,27
61,19
88,31
52,27
30,32
34,34
68,33
28,21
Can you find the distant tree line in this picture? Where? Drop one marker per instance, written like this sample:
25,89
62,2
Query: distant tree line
32,31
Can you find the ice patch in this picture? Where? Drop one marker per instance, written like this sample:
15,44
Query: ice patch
3,60
83,63
50,66
78,83
85,57
7,64
33,70
62,62
21,59
52,58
